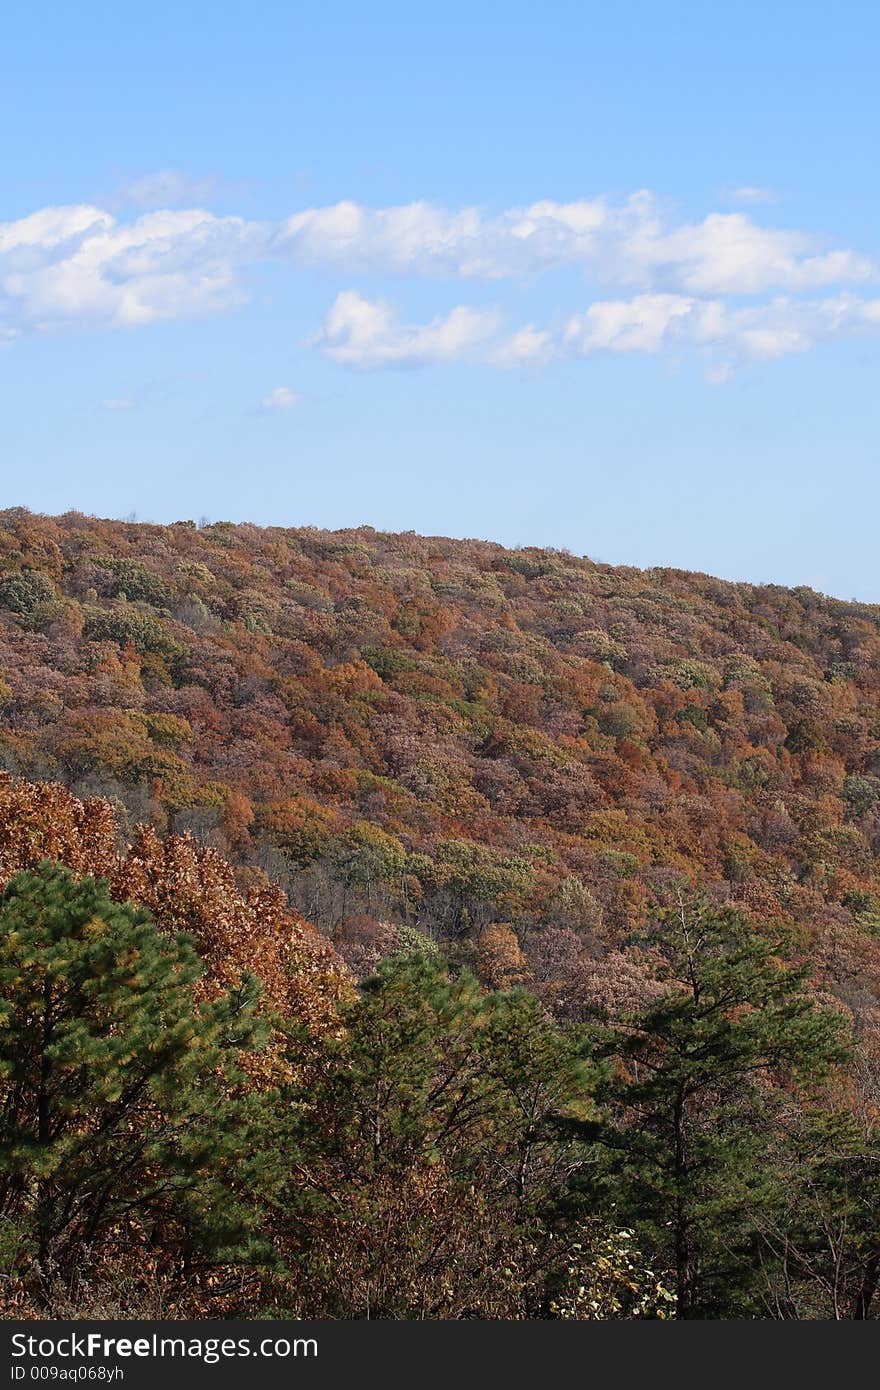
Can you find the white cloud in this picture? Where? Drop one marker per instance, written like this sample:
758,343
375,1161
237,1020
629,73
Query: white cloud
120,403
631,243
80,267
50,228
637,325
421,239
725,336
728,253
364,333
282,398
527,347
725,286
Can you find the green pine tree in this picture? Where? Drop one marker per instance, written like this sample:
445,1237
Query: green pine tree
118,1090
693,1094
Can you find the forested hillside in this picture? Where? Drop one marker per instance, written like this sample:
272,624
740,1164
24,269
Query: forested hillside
452,735
599,843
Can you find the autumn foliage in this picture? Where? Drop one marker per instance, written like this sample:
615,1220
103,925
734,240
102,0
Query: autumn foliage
186,888
474,782
448,735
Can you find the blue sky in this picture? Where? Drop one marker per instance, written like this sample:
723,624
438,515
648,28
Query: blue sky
604,277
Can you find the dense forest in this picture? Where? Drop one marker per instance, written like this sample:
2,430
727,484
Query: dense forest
405,927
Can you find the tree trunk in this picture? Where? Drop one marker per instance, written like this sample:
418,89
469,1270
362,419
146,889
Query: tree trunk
683,1273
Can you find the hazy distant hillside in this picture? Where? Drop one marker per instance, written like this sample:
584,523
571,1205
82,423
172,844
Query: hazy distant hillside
519,750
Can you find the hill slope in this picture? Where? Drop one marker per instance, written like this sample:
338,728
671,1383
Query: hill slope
454,736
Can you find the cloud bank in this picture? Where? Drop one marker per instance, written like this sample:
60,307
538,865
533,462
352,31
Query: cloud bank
638,280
